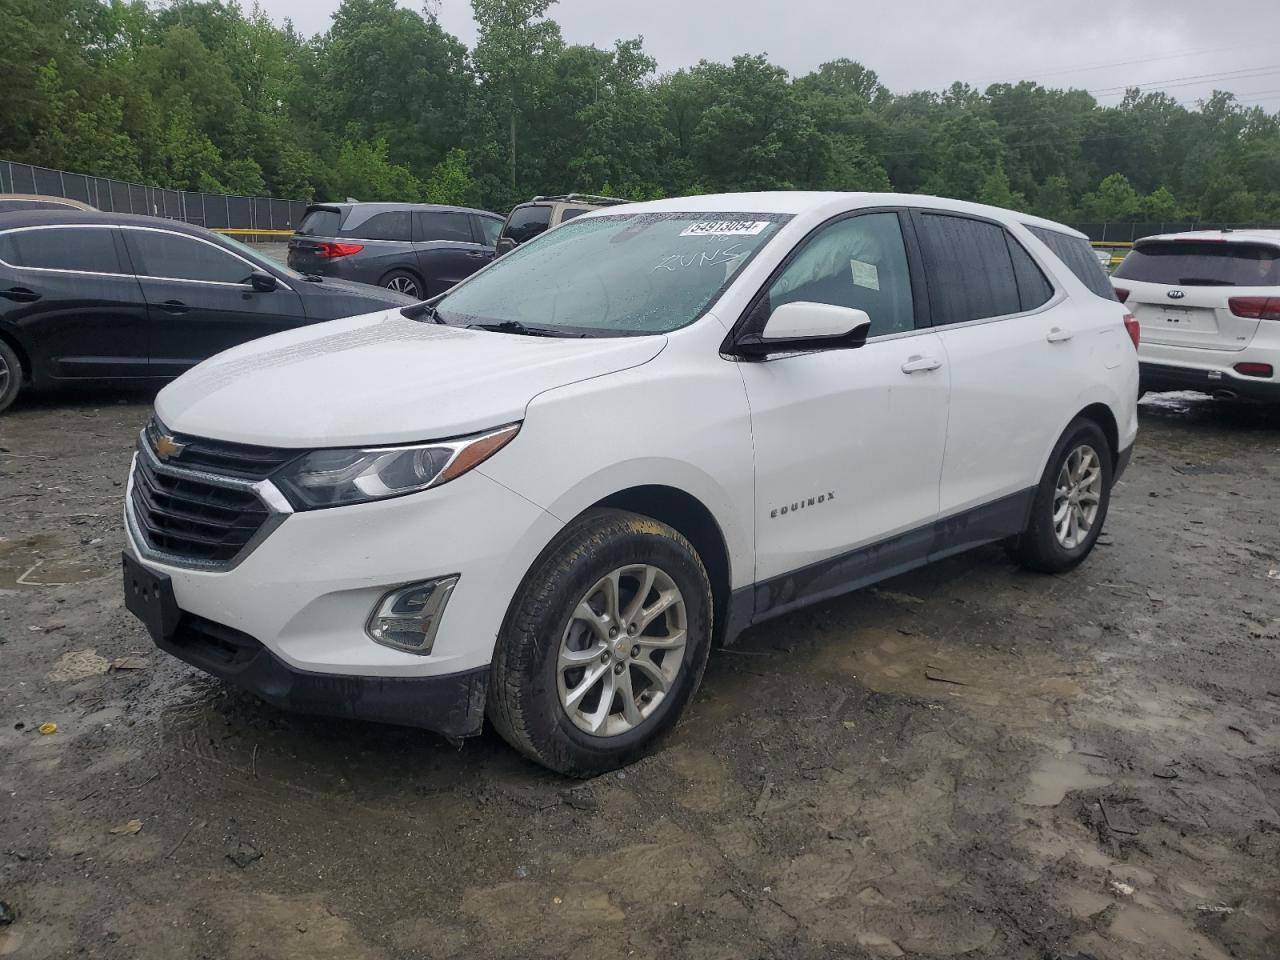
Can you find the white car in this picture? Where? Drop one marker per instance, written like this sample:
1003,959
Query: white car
543,496
1209,306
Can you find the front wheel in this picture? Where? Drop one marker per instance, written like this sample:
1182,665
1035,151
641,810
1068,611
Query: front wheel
1071,501
604,645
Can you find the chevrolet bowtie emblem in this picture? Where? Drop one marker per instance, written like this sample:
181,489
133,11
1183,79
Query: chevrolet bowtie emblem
167,447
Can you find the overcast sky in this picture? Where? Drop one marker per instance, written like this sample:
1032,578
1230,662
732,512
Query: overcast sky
1187,47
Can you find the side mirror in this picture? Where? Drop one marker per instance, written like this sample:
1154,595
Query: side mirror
262,281
504,245
802,325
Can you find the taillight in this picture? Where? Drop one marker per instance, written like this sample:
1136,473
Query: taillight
1135,331
1256,308
327,251
1121,294
1254,369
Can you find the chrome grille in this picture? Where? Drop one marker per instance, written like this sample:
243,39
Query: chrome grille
200,508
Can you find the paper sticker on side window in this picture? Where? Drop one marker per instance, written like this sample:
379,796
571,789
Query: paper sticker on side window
725,228
865,274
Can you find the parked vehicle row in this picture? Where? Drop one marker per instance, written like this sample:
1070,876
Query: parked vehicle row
541,496
98,297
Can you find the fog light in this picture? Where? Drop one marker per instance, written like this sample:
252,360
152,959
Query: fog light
1254,369
407,618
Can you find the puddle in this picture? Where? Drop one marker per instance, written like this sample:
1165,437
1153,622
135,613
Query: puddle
32,562
1055,778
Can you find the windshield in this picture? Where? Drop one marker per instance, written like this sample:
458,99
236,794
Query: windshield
1189,263
255,257
618,275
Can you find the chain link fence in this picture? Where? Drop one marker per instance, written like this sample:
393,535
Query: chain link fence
217,211
1128,232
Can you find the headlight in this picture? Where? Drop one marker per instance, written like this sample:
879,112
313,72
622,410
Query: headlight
333,478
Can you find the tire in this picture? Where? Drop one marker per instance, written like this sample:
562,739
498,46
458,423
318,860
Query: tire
10,376
530,690
1043,546
402,281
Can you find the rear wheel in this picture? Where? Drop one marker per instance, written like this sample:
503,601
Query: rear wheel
10,375
402,281
1071,501
604,645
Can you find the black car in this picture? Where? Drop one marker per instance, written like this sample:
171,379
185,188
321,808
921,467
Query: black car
418,249
109,297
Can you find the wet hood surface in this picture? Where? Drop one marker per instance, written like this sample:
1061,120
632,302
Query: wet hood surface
381,379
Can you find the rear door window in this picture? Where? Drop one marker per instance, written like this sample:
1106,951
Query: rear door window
1187,263
1034,290
441,225
392,225
1078,257
527,222
88,249
570,212
969,269
320,223
172,256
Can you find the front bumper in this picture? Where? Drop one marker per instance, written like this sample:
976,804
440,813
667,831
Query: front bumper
450,704
306,591
1157,377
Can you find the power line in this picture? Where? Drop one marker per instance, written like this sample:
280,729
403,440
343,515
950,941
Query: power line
1127,63
1174,81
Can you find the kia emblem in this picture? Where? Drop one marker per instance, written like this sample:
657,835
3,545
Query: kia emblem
1175,294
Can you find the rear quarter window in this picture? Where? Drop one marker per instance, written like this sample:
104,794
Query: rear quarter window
1077,256
320,223
391,225
1187,263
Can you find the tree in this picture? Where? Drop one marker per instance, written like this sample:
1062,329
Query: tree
451,182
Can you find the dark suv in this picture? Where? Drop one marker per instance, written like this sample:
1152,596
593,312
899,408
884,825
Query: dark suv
416,248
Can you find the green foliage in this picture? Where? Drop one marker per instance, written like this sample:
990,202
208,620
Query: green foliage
200,94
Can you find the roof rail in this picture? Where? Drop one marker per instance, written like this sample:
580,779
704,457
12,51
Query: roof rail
584,197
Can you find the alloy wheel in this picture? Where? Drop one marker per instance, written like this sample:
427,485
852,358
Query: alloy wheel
622,650
5,375
1076,496
405,285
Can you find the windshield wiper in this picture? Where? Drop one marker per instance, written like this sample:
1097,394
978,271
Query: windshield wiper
1204,282
514,326
422,311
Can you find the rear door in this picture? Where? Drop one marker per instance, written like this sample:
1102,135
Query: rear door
1015,362
447,248
199,298
1180,290
69,297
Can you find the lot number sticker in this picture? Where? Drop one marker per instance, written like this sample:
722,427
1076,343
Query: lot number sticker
725,228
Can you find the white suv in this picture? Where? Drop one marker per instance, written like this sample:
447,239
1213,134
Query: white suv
543,496
1209,307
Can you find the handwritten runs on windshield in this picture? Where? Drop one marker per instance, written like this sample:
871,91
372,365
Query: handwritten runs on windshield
722,254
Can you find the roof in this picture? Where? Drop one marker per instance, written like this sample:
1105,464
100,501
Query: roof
1269,237
36,218
47,198
382,206
797,202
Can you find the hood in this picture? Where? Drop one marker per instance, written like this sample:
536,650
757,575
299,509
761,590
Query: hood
326,298
381,379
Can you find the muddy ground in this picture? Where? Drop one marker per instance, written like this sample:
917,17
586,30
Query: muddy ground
971,760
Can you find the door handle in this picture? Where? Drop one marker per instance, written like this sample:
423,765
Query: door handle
174,306
921,364
479,255
1058,335
20,295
